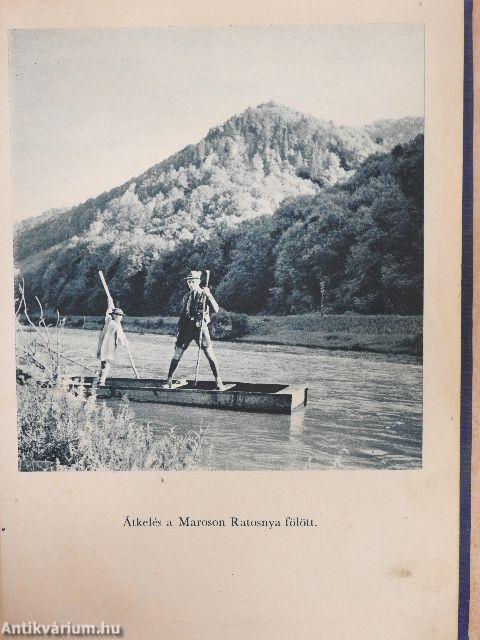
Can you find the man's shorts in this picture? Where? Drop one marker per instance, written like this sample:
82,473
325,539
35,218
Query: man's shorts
192,332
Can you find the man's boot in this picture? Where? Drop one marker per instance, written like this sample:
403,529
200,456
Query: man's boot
220,385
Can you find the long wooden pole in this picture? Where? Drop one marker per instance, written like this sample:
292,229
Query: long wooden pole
201,330
110,299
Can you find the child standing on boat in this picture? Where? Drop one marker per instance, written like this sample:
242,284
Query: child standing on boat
193,325
112,335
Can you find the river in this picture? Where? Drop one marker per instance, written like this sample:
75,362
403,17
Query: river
364,411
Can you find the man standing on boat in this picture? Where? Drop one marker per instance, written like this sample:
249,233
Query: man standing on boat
112,335
193,325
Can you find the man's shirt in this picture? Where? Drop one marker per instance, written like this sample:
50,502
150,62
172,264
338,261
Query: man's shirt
192,308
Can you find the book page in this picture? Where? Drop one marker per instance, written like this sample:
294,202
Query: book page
289,466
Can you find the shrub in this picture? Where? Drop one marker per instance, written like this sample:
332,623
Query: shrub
59,429
227,325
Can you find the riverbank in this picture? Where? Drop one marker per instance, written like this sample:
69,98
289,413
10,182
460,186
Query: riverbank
347,332
60,430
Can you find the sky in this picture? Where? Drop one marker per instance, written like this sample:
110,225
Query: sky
91,108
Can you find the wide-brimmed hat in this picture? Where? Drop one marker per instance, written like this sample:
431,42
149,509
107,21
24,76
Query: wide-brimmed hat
117,312
194,275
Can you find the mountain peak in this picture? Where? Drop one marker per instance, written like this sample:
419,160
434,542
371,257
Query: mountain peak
276,106
274,110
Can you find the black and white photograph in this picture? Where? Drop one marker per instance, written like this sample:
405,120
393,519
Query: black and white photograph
218,247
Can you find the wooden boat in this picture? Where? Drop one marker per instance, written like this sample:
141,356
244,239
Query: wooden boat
237,396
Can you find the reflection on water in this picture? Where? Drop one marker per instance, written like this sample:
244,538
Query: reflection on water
235,439
363,411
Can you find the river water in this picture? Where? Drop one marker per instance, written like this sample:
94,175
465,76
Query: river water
363,410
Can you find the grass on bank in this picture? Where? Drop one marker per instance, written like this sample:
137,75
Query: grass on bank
62,430
353,332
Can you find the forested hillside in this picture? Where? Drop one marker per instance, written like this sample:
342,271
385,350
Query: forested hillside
273,202
363,239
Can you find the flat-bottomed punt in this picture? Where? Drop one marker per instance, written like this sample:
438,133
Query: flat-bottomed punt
237,396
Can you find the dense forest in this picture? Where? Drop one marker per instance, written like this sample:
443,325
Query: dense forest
278,205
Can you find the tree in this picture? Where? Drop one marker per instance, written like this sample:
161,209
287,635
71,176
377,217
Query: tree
246,284
310,252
